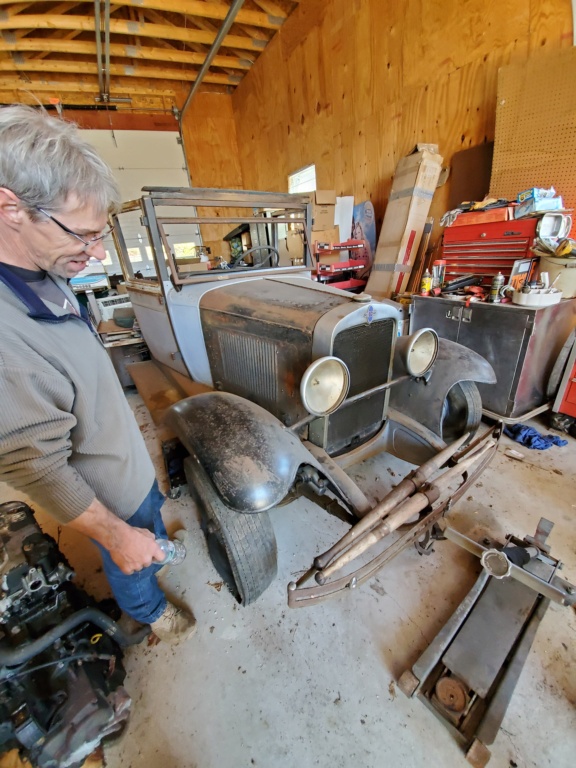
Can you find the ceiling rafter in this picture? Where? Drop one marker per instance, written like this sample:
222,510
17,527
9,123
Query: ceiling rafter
87,85
126,70
272,8
88,48
18,8
123,27
157,18
47,44
60,36
61,8
209,10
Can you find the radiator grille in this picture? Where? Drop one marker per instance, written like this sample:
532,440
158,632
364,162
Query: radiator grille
250,366
366,350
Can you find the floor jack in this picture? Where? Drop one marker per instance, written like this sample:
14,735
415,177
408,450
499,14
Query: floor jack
468,674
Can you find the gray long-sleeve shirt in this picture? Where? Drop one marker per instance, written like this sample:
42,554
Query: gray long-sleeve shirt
67,434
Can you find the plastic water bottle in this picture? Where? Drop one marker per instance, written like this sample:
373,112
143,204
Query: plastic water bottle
174,551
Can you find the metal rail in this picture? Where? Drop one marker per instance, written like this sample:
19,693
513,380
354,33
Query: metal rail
223,31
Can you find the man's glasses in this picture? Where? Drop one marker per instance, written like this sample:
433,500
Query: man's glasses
63,227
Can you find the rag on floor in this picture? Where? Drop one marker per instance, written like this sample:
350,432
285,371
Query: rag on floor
531,438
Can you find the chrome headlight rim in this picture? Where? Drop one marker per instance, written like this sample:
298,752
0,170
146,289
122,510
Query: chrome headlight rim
416,345
314,370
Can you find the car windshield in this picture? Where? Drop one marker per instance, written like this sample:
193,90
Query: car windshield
202,238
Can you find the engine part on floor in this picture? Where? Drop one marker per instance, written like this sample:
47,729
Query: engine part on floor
420,500
61,672
467,676
561,422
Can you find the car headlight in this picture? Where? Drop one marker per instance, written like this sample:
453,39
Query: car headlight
324,385
418,351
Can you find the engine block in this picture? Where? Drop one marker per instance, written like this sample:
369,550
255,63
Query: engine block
60,675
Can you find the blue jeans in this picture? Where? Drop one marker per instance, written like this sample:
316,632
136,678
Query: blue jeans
138,594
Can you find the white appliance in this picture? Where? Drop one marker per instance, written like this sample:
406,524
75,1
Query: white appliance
110,303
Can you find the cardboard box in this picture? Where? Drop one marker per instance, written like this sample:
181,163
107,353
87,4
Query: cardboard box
331,235
295,242
410,199
532,205
536,193
323,209
190,265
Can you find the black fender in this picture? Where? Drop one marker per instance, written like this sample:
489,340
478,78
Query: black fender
422,399
251,458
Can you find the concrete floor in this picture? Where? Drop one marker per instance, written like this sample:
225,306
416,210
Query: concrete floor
274,687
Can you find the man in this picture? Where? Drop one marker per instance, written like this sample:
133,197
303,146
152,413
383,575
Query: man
67,436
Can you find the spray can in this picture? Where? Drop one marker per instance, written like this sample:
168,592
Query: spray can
426,284
497,283
438,273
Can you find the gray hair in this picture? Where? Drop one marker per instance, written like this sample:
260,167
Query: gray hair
44,160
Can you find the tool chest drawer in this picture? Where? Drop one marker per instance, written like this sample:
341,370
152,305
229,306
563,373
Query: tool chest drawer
486,249
519,229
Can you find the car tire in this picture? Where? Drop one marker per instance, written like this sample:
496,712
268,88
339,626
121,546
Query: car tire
242,547
462,411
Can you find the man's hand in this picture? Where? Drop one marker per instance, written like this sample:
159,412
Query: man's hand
130,548
135,550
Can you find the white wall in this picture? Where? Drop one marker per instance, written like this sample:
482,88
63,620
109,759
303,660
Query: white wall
139,159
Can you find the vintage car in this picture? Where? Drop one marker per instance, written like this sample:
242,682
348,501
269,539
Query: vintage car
292,381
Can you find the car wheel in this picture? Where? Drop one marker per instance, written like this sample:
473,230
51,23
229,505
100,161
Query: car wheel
242,547
462,411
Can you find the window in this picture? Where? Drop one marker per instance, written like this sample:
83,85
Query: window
303,180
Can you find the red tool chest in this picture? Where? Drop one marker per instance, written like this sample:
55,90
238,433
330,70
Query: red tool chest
486,249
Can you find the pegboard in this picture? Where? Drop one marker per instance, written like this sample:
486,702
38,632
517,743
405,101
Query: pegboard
535,142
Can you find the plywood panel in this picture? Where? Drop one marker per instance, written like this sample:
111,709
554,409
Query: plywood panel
443,36
550,25
209,135
352,85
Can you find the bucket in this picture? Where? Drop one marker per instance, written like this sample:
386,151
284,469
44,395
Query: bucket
566,268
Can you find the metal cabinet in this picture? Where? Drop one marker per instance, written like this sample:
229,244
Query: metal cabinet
521,343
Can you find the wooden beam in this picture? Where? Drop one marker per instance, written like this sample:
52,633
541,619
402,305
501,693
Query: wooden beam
123,27
206,10
16,8
25,93
153,104
50,45
122,70
271,8
61,36
86,86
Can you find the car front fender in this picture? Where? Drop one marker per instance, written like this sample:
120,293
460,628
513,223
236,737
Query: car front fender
423,400
250,456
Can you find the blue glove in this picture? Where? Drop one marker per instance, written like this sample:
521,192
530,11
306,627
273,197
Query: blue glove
531,438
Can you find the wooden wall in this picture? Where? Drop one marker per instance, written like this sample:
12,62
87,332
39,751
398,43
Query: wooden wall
209,134
352,85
